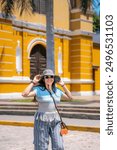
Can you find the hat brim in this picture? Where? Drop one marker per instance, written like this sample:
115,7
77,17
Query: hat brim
48,74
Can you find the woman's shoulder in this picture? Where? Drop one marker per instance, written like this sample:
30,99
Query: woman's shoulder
58,90
40,88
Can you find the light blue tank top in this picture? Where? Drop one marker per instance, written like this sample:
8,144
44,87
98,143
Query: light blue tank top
46,103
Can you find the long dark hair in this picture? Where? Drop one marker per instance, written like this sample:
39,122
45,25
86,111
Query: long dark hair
43,87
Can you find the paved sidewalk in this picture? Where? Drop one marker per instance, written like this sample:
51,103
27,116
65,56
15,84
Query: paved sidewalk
72,124
68,121
21,138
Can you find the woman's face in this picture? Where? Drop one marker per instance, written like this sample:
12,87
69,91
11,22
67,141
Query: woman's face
49,79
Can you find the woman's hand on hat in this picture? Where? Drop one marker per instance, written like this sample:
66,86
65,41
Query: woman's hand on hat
61,83
36,79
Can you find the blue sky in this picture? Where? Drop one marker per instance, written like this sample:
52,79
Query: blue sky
97,8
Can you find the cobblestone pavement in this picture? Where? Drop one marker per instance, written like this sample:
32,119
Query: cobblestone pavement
21,138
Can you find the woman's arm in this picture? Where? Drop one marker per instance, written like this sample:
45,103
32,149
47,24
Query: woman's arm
67,95
28,90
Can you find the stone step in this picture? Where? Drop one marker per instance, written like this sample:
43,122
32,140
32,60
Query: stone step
69,109
63,105
78,115
81,115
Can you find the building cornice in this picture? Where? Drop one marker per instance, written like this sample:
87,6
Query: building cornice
77,10
28,25
81,32
79,19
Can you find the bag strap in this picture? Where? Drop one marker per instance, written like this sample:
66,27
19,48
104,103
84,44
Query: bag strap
63,125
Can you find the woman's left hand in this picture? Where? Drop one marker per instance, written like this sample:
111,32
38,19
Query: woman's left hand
61,83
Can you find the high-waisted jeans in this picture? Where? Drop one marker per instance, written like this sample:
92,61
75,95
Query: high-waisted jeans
45,129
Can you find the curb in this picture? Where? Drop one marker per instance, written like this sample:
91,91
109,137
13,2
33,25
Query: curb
31,124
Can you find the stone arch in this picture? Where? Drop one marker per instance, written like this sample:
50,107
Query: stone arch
37,55
34,42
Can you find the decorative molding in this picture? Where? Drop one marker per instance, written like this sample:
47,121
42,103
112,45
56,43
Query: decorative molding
6,31
15,79
7,70
81,32
80,44
80,49
79,19
6,62
85,62
9,55
6,96
90,12
77,61
86,68
77,81
21,79
83,56
82,81
6,39
86,74
6,47
82,93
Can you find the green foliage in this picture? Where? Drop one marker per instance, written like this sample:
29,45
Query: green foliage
96,23
7,7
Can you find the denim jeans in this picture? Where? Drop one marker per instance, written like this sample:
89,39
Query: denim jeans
43,130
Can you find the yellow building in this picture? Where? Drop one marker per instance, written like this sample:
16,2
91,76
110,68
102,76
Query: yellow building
23,50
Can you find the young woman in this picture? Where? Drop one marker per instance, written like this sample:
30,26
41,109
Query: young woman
47,120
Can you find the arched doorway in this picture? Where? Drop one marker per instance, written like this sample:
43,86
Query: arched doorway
37,60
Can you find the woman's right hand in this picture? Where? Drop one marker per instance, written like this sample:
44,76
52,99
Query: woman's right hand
28,90
37,78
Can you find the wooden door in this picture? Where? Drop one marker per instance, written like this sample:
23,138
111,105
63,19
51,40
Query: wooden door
38,60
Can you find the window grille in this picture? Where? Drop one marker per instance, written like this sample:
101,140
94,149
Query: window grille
40,6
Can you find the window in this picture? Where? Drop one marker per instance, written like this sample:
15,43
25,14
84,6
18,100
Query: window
40,6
